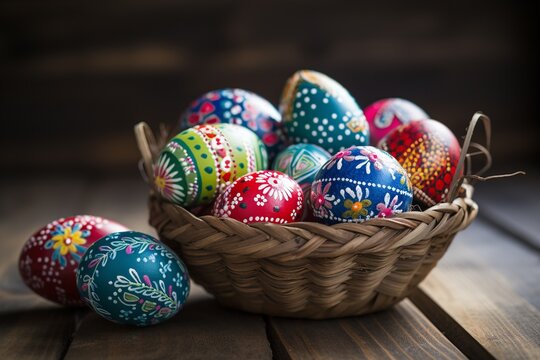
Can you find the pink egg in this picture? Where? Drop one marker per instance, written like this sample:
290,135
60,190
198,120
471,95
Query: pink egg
49,259
385,115
262,196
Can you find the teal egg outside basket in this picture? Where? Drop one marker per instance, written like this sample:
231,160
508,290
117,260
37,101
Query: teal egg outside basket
131,278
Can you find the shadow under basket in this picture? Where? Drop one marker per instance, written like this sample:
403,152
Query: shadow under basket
306,269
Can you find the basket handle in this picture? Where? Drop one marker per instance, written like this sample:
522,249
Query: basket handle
466,156
146,141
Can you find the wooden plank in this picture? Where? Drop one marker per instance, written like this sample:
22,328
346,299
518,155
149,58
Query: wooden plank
513,206
26,206
202,330
513,261
402,332
470,296
32,327
41,333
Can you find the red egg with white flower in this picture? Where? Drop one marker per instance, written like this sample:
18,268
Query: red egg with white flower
262,196
49,259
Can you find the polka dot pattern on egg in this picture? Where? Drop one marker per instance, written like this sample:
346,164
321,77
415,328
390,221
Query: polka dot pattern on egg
318,110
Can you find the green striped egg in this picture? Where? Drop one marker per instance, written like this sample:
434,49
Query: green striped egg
200,162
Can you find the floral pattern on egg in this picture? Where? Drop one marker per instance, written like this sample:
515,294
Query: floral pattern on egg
240,107
262,196
49,259
318,110
358,184
132,278
200,162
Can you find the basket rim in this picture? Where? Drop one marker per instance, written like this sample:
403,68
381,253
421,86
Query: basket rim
310,239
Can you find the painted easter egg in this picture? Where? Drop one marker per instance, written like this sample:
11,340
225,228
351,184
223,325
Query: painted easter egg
201,161
262,196
49,259
131,278
301,162
240,107
318,110
358,184
429,152
385,115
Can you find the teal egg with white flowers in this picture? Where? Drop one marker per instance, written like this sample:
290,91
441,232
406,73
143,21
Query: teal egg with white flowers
132,278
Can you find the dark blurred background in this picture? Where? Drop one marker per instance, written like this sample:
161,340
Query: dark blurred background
76,76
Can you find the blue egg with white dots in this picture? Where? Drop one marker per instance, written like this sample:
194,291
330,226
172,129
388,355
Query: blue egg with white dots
318,110
358,184
131,278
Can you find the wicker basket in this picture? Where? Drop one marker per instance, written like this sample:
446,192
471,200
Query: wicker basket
311,270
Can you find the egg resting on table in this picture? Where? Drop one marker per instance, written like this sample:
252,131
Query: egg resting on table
201,161
301,162
385,115
360,183
132,278
429,152
49,259
262,196
318,110
240,107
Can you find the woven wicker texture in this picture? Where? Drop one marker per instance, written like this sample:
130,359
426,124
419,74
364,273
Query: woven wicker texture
309,270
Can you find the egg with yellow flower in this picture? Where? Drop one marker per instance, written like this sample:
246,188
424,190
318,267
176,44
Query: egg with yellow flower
50,257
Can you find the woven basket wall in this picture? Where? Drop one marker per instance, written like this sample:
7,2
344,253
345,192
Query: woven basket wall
311,270
306,269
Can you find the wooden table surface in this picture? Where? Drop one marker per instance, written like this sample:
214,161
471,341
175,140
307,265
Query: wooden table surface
481,301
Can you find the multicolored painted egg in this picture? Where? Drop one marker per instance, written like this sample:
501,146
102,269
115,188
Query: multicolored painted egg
201,161
429,152
318,110
385,115
240,107
131,278
358,184
49,259
262,196
301,162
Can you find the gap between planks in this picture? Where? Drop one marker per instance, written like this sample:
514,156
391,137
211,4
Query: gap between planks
480,295
402,332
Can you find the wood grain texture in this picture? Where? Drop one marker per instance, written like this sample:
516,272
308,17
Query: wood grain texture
202,330
514,262
513,206
41,333
400,333
475,305
32,327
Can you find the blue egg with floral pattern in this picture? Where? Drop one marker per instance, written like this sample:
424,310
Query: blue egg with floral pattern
240,107
131,278
360,183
